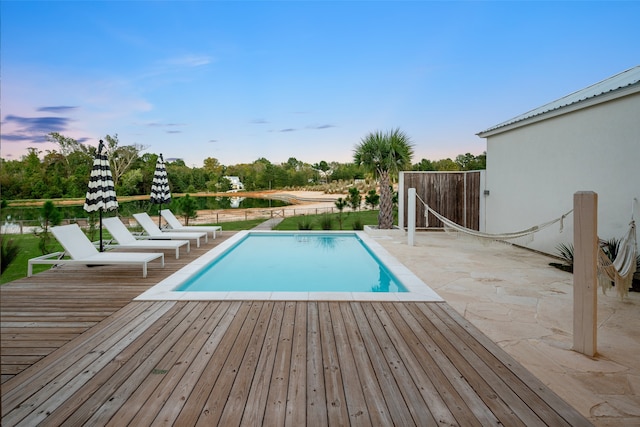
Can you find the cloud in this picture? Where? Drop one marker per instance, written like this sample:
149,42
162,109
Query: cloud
320,127
287,130
174,131
57,109
163,125
191,60
213,140
33,129
258,122
34,124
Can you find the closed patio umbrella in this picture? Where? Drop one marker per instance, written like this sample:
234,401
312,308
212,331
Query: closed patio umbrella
101,194
160,193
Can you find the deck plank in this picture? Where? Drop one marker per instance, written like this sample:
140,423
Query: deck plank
277,398
337,408
316,394
391,364
259,391
297,393
194,404
378,409
353,388
456,393
237,401
97,393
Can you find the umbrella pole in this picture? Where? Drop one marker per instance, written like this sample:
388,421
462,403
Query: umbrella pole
101,245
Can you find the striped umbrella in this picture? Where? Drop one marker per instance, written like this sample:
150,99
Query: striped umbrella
160,193
101,194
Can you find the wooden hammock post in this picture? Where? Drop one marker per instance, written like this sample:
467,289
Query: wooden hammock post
585,279
411,216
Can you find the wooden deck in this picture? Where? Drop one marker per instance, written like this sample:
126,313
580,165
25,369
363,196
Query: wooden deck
80,352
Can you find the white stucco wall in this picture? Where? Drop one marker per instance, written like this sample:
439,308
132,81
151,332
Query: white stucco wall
533,171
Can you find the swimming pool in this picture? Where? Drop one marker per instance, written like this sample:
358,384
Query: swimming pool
276,265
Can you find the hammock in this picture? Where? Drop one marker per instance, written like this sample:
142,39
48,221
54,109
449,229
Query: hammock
619,271
450,225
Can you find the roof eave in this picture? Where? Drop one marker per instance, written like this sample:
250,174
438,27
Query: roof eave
599,99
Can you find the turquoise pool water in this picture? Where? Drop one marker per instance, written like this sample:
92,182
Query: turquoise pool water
295,262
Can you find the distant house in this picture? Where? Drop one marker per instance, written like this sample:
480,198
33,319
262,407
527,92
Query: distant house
236,184
588,140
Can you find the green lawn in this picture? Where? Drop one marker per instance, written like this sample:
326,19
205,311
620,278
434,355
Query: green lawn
316,221
28,244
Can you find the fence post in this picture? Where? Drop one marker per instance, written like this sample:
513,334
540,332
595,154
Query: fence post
585,283
411,216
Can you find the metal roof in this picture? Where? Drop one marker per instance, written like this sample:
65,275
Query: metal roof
622,80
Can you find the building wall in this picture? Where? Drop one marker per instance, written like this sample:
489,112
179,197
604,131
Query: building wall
533,171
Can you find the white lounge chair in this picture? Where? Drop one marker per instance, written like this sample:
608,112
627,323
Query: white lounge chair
177,226
126,240
77,246
155,233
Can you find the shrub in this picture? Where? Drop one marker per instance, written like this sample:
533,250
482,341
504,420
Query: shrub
565,252
305,224
358,224
9,252
326,222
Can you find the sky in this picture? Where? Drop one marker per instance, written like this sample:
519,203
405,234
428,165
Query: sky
242,80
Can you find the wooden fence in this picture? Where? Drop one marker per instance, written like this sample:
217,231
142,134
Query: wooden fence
455,195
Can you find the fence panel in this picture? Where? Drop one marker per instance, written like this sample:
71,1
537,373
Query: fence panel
455,195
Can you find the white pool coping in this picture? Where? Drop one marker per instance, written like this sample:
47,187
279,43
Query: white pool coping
417,289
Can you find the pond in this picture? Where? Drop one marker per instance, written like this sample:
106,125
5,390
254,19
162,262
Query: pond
26,213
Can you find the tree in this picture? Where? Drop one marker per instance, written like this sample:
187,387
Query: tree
446,165
424,165
384,155
372,199
355,198
213,166
50,216
187,207
340,204
121,158
322,165
468,161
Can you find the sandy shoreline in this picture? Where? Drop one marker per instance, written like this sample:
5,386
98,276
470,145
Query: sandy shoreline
302,202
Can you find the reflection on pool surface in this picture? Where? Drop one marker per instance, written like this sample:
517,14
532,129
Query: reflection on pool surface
301,266
296,262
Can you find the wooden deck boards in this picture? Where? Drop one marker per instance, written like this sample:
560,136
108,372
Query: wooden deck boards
102,359
38,314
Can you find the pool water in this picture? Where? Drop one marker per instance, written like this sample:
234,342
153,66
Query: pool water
296,262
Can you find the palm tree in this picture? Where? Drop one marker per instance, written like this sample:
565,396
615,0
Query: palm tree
384,154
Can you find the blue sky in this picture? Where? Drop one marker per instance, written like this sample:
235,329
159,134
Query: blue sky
306,79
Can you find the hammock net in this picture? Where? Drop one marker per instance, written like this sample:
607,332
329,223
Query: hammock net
619,272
